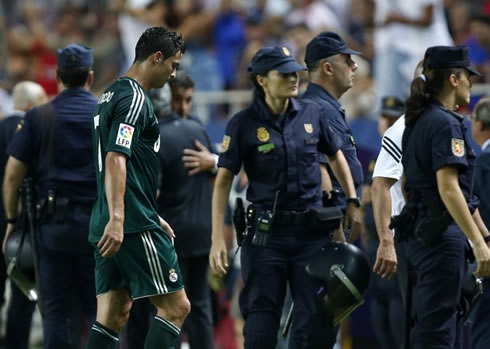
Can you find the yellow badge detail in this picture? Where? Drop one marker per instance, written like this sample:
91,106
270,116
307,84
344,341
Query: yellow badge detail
352,140
457,147
263,134
390,102
286,51
371,166
226,143
308,128
19,126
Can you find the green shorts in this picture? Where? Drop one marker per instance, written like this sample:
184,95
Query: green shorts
146,264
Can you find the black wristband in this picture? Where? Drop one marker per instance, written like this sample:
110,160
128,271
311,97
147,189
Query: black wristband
12,220
355,201
487,238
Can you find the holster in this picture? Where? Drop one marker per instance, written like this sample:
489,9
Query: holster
239,221
435,222
324,218
52,209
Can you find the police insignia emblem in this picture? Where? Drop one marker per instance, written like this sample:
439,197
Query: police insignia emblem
262,134
308,128
390,102
172,275
352,140
286,51
457,147
226,143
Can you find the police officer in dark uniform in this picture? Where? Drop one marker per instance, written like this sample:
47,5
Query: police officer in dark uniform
26,95
331,73
55,145
277,139
439,162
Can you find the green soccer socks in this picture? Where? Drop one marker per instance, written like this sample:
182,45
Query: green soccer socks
162,334
101,337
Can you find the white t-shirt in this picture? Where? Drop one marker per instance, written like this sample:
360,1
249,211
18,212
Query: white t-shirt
389,163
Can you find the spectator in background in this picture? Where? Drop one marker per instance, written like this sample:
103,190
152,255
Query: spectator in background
479,43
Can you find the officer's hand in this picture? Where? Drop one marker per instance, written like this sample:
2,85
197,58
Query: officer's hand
112,239
198,160
338,234
218,257
167,228
10,228
386,262
482,255
353,221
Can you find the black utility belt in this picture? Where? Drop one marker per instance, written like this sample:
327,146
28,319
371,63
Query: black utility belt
316,217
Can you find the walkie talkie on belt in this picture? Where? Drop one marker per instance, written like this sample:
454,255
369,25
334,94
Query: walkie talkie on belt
264,225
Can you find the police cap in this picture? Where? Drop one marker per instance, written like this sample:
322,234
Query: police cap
75,56
446,57
392,106
324,45
278,58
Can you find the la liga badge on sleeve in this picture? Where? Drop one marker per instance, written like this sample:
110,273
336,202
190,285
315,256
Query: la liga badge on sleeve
457,147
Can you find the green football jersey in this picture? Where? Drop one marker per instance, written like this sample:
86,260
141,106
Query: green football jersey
125,122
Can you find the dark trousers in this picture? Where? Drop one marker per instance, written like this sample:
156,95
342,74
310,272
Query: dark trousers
66,266
19,319
439,275
266,273
480,332
198,325
386,306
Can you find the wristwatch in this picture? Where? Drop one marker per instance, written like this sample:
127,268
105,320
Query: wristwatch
355,201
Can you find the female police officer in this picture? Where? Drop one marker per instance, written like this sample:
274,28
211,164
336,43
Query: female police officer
438,162
277,139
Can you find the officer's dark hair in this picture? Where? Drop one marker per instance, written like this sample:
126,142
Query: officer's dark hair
482,112
181,80
158,39
424,89
314,66
73,78
258,90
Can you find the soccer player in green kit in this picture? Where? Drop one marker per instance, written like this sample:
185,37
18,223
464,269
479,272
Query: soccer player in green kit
134,251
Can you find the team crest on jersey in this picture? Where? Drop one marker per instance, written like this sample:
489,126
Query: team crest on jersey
226,143
457,146
308,128
263,134
125,135
172,275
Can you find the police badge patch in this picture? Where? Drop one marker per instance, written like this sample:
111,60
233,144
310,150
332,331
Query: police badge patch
457,147
262,134
226,143
308,128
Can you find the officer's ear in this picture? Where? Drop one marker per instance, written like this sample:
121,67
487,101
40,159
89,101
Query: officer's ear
453,80
327,67
261,80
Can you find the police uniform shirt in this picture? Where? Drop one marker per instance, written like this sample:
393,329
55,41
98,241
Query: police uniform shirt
437,139
389,163
482,182
184,201
64,164
279,153
332,110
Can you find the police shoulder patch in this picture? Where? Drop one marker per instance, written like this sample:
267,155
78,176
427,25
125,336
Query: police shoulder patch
226,143
125,135
457,147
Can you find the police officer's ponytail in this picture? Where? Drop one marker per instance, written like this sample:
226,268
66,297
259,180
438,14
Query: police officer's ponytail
425,88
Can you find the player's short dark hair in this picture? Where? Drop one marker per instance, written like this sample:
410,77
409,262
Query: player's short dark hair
158,39
73,78
181,80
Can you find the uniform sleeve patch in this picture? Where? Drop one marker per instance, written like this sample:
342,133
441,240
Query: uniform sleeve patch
457,147
125,135
226,143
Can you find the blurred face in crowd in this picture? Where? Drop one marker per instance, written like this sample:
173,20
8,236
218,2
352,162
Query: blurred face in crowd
279,85
164,69
181,101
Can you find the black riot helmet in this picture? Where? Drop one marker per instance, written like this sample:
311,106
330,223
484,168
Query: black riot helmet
345,271
20,263
471,292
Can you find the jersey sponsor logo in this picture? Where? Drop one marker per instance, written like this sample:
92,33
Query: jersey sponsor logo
125,135
262,134
106,97
156,146
457,146
172,275
308,128
226,143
